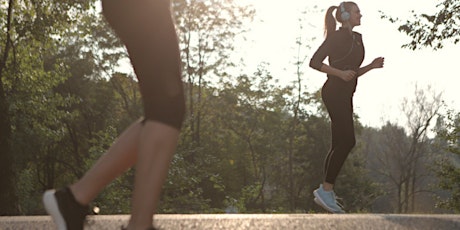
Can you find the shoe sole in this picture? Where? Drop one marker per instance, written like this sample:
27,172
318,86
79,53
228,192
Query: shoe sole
52,207
321,203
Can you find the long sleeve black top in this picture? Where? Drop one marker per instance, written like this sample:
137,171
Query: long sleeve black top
345,51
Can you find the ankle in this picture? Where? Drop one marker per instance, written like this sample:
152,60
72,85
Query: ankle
75,196
328,187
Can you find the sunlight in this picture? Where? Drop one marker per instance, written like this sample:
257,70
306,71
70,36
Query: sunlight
276,27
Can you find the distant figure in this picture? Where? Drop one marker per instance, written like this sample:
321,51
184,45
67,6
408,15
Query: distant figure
147,30
345,50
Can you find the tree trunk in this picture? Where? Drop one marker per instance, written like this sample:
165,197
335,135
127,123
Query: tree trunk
7,190
400,204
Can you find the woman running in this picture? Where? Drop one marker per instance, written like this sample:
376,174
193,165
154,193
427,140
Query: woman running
345,50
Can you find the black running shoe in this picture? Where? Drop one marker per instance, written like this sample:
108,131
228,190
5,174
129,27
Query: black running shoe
66,212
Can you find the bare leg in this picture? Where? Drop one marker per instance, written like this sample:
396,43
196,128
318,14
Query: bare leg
152,146
156,148
121,156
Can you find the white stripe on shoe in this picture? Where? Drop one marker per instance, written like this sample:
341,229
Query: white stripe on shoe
52,207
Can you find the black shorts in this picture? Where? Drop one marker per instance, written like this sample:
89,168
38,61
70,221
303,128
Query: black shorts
147,30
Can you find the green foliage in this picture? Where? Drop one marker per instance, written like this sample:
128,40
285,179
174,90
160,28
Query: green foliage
357,188
28,204
47,76
448,165
181,192
248,144
432,30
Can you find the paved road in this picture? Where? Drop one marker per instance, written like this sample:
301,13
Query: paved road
257,222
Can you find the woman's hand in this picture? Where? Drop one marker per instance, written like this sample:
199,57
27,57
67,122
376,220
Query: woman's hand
378,62
347,75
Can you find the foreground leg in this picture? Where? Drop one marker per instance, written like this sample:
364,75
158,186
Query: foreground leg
69,206
156,148
121,156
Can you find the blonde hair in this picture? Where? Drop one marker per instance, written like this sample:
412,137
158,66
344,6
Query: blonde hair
330,21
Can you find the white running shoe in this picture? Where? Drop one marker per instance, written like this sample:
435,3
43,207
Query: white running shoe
327,200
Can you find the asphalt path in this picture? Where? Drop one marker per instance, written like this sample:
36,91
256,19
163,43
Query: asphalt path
255,222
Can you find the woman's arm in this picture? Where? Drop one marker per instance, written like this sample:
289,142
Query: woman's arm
346,75
376,63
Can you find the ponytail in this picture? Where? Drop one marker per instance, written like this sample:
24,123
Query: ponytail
329,21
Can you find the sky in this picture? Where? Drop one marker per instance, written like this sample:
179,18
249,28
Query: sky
380,92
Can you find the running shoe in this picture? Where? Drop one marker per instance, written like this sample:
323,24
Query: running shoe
65,211
327,200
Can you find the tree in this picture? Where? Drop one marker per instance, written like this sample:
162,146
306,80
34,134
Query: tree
206,32
432,30
420,114
31,35
298,99
447,166
57,52
7,192
402,156
102,104
252,101
390,163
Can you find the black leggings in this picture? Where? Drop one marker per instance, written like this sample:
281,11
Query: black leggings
339,104
147,30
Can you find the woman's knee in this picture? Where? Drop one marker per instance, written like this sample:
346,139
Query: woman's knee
170,110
